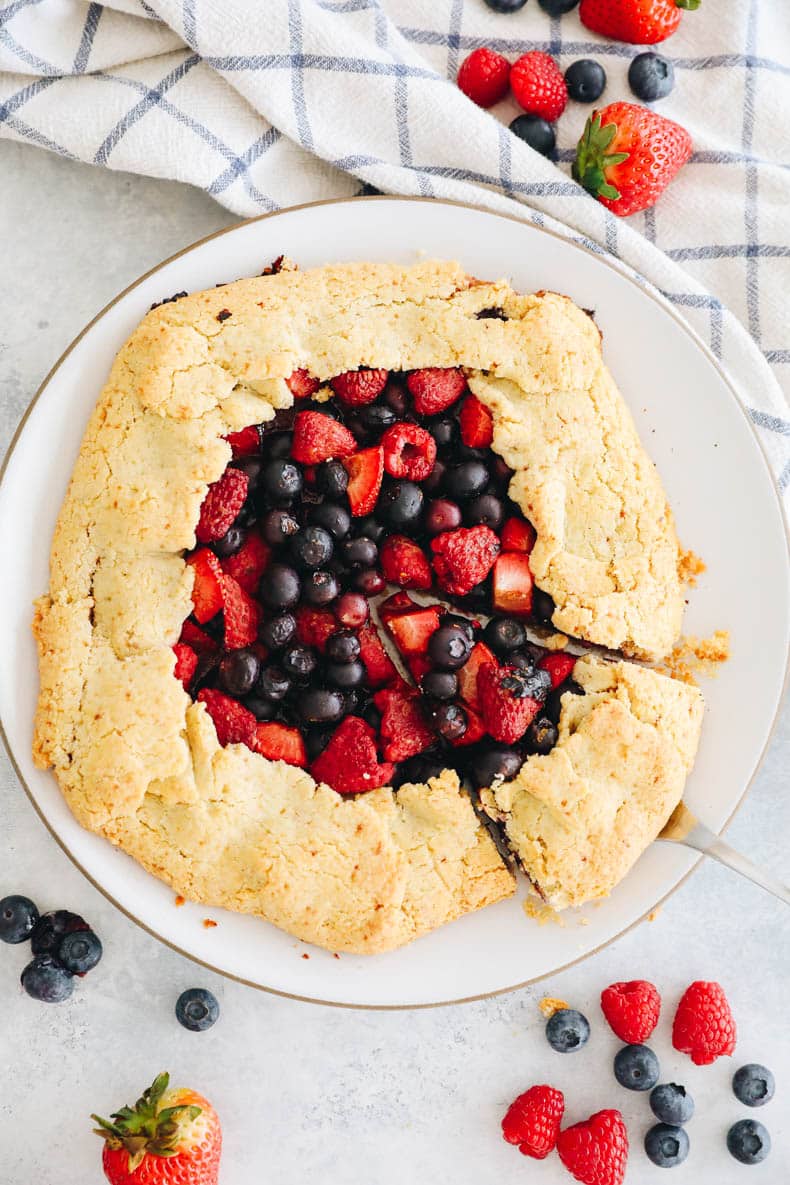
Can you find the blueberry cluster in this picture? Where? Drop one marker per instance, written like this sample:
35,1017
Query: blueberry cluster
62,943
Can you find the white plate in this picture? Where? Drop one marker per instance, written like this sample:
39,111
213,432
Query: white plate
718,483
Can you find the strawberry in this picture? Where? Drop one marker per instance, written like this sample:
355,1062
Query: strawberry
632,1009
249,563
378,665
171,1136
221,504
403,724
314,626
279,743
349,763
477,423
462,558
234,724
507,711
319,438
245,442
628,155
411,631
435,389
595,1151
467,676
404,562
302,385
186,662
355,388
511,590
517,535
242,614
641,22
704,1026
538,85
194,637
206,591
399,602
533,1121
409,451
559,667
365,472
484,77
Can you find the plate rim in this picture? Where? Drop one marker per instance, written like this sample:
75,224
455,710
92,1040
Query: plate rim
606,259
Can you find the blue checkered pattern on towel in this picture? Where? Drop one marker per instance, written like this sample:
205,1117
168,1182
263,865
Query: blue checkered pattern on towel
267,103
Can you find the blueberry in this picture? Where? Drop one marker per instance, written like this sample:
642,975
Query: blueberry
319,705
442,515
493,763
396,398
449,647
368,527
333,518
748,1141
636,1067
651,76
450,721
432,484
419,768
400,503
273,684
542,605
18,917
277,632
316,740
541,736
320,588
277,527
463,623
753,1085
557,7
585,80
238,671
230,542
343,647
281,481
505,5
252,466
522,658
567,1030
369,581
45,979
666,1146
345,675
442,685
536,132
197,1009
372,716
299,662
444,431
277,445
204,672
466,480
262,709
504,634
360,553
80,951
501,473
312,547
332,478
352,609
671,1103
50,927
532,684
376,418
486,510
280,586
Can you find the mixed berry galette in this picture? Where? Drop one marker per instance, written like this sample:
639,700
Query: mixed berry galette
304,649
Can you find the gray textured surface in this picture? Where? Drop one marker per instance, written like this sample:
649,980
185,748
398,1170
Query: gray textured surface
303,1090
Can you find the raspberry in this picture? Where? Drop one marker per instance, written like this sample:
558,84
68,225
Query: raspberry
704,1026
596,1151
533,1121
319,438
462,558
631,1008
484,77
234,724
538,85
355,388
221,504
314,627
302,385
349,763
409,451
435,388
404,563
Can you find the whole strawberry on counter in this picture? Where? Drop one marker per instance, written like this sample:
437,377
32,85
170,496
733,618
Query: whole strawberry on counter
641,22
171,1136
628,155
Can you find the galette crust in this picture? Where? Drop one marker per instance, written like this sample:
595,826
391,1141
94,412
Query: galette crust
139,763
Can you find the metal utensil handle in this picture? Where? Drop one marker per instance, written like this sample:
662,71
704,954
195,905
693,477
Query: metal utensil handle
704,840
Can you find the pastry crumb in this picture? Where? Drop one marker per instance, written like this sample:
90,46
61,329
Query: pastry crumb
548,1006
651,917
555,642
690,566
541,913
209,923
694,656
180,900
305,956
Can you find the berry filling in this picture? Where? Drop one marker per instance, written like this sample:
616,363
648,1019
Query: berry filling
331,505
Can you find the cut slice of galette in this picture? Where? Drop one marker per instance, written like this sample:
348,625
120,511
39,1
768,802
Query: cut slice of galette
319,525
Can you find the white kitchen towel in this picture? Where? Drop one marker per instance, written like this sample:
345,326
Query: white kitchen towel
268,103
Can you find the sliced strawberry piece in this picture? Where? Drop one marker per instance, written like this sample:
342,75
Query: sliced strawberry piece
403,725
435,388
517,535
365,472
278,742
221,504
377,663
249,563
467,676
206,591
349,763
242,614
319,438
477,423
403,562
314,626
506,714
186,662
475,729
196,638
245,442
418,665
463,558
235,724
559,667
512,584
355,388
411,631
399,602
302,384
409,451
